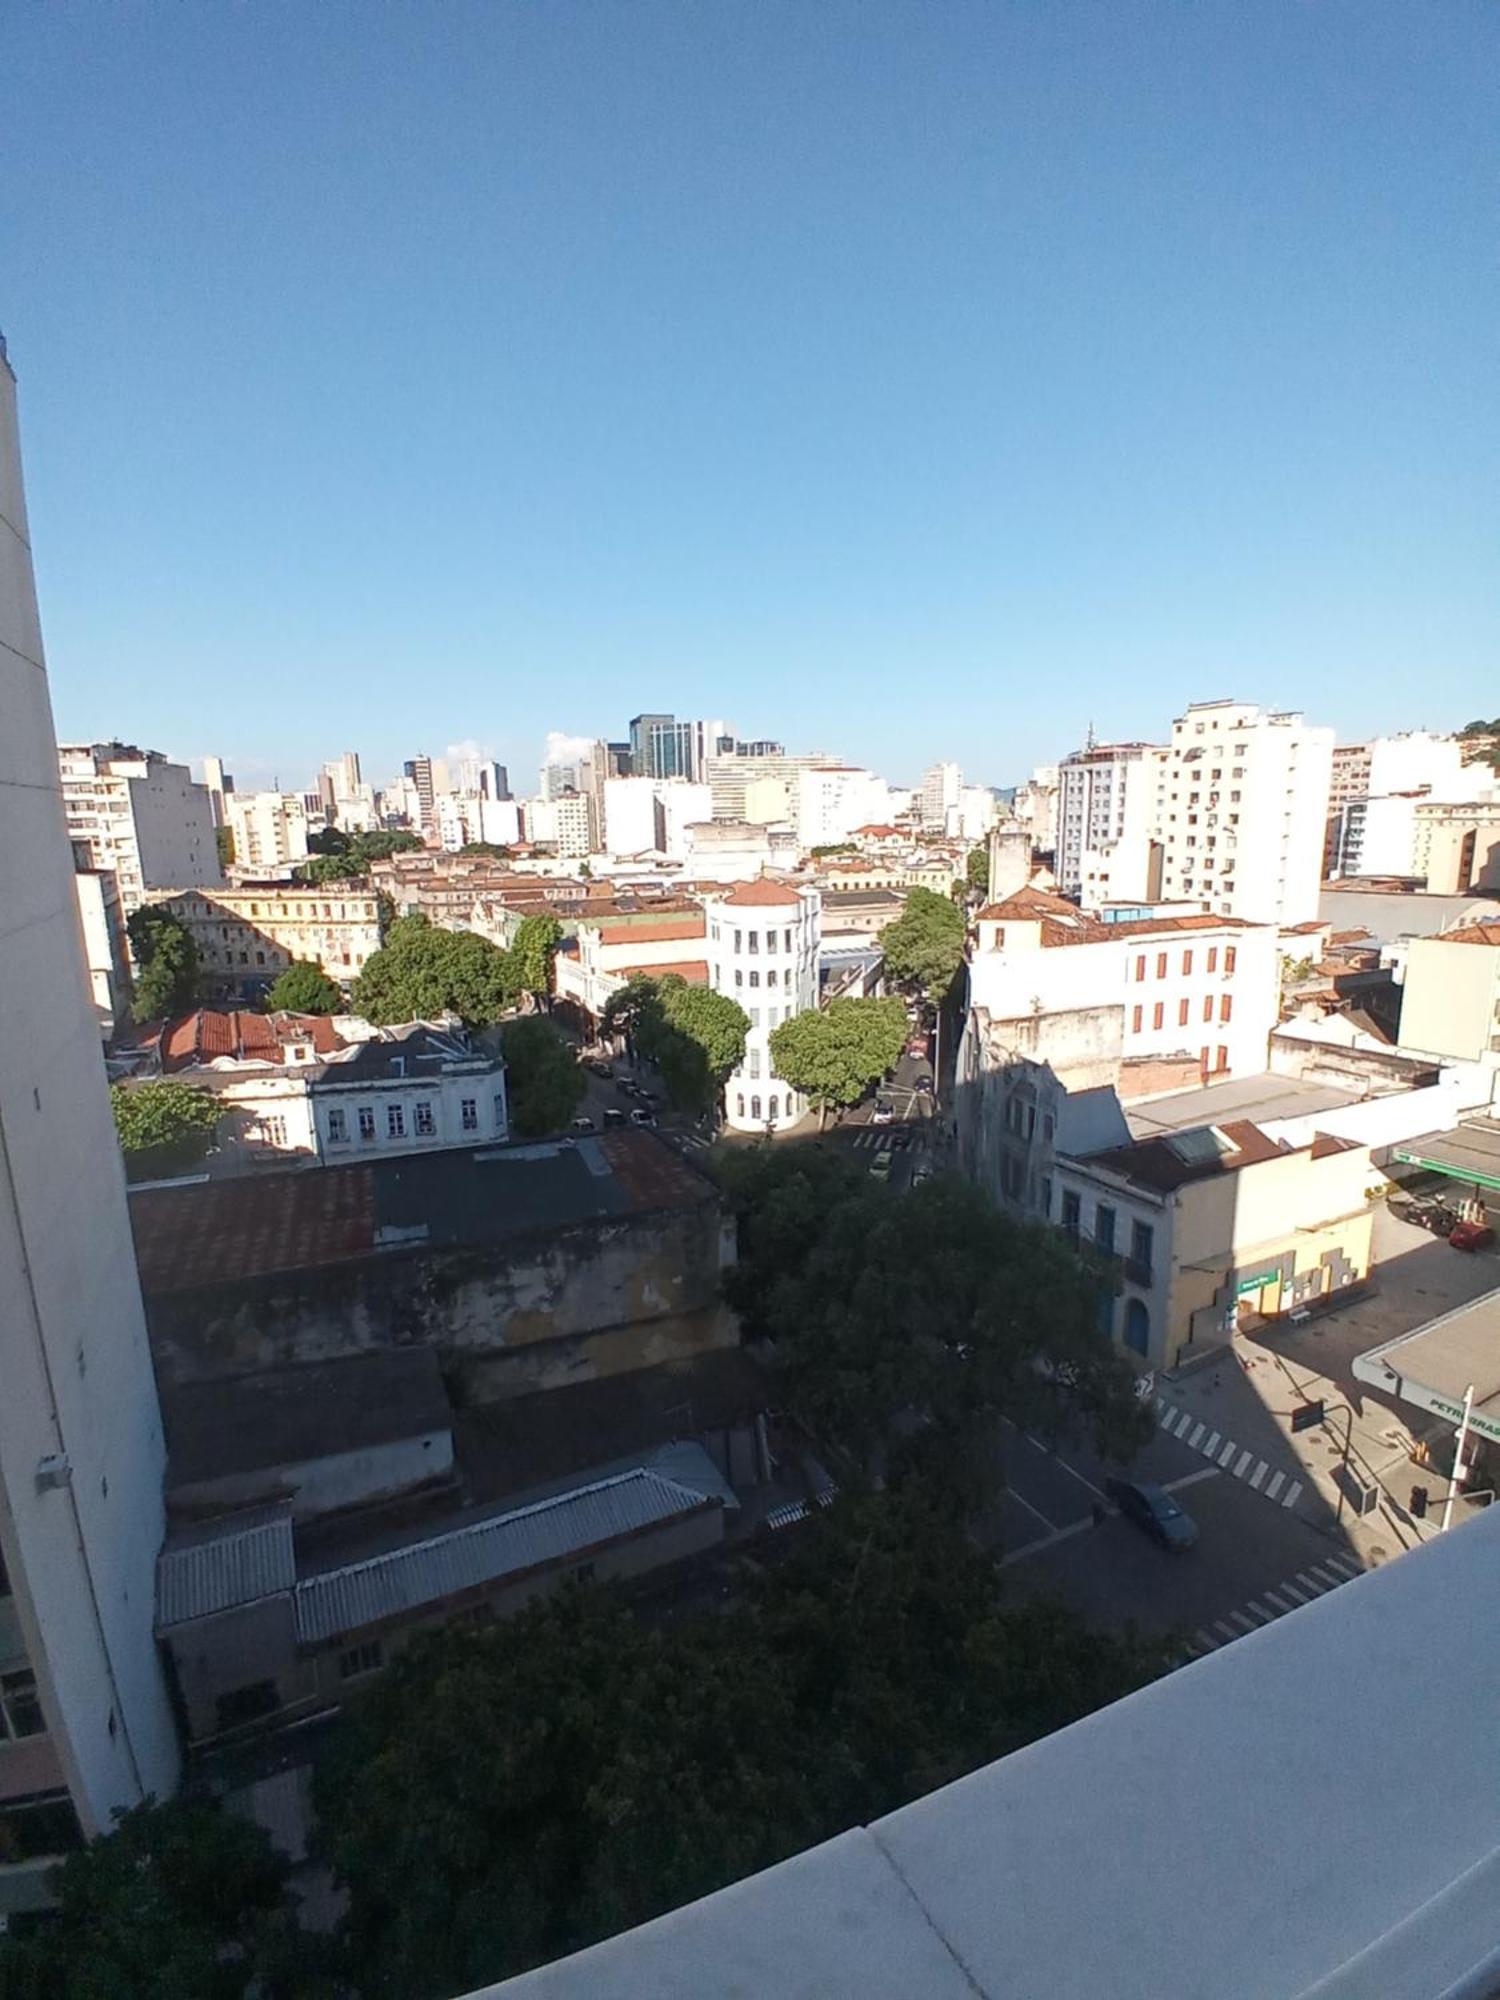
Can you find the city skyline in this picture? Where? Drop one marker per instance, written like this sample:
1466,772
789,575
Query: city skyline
516,406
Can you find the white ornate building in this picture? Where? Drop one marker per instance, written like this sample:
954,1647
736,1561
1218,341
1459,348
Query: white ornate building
763,952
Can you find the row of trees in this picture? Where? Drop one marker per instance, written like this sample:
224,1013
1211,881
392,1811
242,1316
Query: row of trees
694,1035
336,856
422,970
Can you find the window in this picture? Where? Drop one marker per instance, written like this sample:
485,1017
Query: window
1182,1013
365,1658
1161,965
1140,966
755,1107
770,975
20,1711
1223,1062
1137,1327
1158,1014
739,1104
739,977
1187,964
772,1105
1229,955
737,940
1226,1006
245,1704
426,1124
1135,1021
260,958
1142,1245
1072,1209
395,1121
1046,1196
367,1121
788,941
753,1069
754,944
1104,1229
43,1825
1213,958
274,1129
498,1107
1208,1006
468,1113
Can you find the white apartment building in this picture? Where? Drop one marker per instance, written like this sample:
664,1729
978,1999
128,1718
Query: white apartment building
105,951
832,801
85,1718
728,776
977,812
631,821
727,850
1375,836
1106,793
142,817
247,936
217,783
683,804
938,796
1365,836
1241,812
1456,848
269,829
763,951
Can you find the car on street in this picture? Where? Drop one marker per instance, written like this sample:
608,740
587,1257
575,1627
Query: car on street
882,1114
1154,1511
583,1124
613,1117
641,1116
880,1166
600,1069
920,1174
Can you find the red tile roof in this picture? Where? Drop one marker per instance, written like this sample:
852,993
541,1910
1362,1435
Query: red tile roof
693,970
1473,934
664,930
1198,921
763,894
211,1033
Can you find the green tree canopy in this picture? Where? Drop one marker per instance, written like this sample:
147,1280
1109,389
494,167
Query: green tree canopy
695,1035
305,988
491,849
166,962
181,1901
532,950
224,843
931,1302
421,971
833,1054
504,1796
977,870
164,1127
336,856
924,947
543,1078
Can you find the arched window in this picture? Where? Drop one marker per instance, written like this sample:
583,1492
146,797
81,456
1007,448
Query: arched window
755,1107
774,1105
1137,1326
739,1104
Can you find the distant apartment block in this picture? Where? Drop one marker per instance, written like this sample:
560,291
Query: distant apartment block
142,816
1104,850
269,829
1456,848
105,948
247,936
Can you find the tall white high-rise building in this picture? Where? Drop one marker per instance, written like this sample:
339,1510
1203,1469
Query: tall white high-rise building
831,802
938,797
1103,791
142,816
763,952
269,828
1241,811
85,1720
216,782
631,821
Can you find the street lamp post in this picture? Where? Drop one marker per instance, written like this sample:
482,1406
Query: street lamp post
1458,1459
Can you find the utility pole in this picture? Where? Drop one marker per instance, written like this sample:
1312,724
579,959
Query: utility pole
1458,1459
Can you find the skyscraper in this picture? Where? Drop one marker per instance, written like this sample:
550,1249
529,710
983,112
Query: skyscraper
661,747
85,1722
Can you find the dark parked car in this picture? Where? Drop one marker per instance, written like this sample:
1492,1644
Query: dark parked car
923,1086
1154,1511
613,1117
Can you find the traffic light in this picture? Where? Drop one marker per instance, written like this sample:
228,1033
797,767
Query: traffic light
1418,1508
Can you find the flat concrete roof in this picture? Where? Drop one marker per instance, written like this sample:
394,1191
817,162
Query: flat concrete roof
1470,1152
1390,915
1434,1366
1256,1098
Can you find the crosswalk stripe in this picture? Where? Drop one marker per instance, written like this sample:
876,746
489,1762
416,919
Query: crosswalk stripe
1257,1477
1163,1409
1343,1565
1298,1596
1314,1581
1187,1418
1274,1484
1228,1452
1290,1496
1245,1624
1211,1445
1228,1630
1205,1641
1325,1579
1193,1440
1273,1597
1240,1463
1254,1604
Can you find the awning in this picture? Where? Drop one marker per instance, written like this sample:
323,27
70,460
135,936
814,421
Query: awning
1469,1153
1432,1366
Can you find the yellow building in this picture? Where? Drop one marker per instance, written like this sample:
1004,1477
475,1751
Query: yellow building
247,936
1216,1223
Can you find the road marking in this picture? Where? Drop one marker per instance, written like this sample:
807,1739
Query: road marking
1297,1596
1290,1496
1274,1484
1212,1446
1045,1542
1240,1463
1197,1434
1257,1478
1281,1604
1205,1641
1191,1478
1228,1452
1324,1580
1343,1565
1245,1624
1050,1526
1254,1604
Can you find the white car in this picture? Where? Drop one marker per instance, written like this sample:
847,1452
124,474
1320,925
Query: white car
882,1114
640,1116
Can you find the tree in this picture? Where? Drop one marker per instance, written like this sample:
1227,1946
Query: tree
336,856
694,1035
924,947
833,1054
489,848
305,988
182,1901
166,962
164,1128
977,869
543,1079
532,951
420,971
224,842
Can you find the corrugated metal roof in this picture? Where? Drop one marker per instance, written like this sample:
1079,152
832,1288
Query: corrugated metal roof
385,1586
249,1556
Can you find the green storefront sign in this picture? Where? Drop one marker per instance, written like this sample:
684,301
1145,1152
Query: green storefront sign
1254,1284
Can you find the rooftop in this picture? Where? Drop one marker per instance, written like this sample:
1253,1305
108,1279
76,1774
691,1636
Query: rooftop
1256,1098
285,1416
1474,934
663,930
1469,1153
411,1052
762,894
1197,1154
1436,1365
202,1234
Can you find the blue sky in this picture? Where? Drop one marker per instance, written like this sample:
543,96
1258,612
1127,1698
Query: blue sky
906,380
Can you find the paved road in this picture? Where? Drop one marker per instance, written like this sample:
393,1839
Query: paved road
1254,1560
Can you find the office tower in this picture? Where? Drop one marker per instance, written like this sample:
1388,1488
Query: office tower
142,816
419,770
661,747
85,1721
938,797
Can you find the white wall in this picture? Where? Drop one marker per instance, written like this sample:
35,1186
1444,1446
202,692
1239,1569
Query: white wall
731,969
682,805
77,1368
630,815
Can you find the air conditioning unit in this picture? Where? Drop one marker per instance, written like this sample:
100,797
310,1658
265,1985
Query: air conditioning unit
53,1472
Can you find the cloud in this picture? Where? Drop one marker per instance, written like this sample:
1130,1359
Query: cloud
469,752
566,749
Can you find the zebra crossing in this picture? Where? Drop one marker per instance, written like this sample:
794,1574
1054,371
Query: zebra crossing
879,1138
1199,1435
1317,1580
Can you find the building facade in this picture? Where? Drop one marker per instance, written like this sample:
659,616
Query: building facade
105,950
1456,848
85,1720
269,829
1105,794
1450,995
247,937
142,817
763,951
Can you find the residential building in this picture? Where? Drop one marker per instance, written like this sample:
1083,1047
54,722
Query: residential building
1373,796
1035,807
683,806
726,850
770,802
218,784
832,800
86,1722
1105,796
142,816
938,797
631,816
668,937
1214,1223
729,775
1450,996
412,1089
1241,811
977,812
763,951
1374,836
269,829
105,950
429,777
248,935
1456,847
